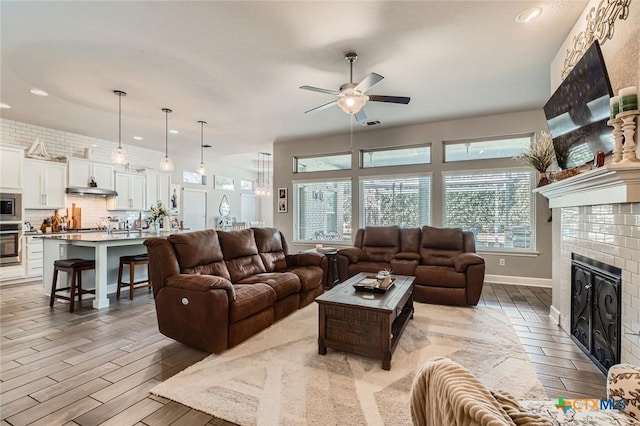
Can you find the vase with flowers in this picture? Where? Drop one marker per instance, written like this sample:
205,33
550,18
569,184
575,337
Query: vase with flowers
539,156
158,213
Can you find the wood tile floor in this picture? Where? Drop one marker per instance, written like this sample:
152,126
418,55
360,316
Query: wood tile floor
97,366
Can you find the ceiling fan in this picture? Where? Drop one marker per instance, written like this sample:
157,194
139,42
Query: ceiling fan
352,96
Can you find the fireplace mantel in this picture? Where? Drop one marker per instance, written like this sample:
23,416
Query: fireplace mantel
610,184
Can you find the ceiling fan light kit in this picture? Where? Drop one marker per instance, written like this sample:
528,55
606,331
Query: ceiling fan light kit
166,165
353,97
119,155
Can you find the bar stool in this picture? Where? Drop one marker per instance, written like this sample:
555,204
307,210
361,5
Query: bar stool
75,268
132,262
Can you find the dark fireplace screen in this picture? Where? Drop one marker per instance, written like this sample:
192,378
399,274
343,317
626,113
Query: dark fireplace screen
595,310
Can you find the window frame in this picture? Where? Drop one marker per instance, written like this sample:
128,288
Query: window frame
531,251
361,212
295,211
483,139
296,158
362,152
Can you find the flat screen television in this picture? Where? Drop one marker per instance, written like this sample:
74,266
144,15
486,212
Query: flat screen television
578,111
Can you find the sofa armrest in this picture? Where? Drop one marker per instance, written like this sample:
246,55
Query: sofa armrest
354,254
304,259
407,255
464,260
201,283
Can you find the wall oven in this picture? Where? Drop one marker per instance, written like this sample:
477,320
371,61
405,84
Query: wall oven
10,244
10,207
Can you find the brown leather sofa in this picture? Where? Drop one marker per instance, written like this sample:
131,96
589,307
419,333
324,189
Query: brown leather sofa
215,289
443,260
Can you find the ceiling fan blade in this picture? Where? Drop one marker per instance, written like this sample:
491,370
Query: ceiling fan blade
360,116
392,99
368,82
317,89
321,107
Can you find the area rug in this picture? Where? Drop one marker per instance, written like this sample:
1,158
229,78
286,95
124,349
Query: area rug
278,378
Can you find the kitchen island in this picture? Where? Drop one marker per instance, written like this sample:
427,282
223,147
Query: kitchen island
105,248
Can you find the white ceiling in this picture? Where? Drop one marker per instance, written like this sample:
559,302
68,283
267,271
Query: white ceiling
238,65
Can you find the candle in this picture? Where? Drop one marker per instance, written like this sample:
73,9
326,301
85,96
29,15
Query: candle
628,99
614,106
318,246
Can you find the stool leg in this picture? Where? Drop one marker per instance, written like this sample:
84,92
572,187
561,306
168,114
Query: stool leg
53,287
79,286
119,280
132,274
72,297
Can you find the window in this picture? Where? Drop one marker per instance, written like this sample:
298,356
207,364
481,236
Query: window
322,163
404,201
395,157
484,149
192,177
497,206
322,211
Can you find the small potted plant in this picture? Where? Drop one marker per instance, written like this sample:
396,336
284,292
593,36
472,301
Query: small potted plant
539,156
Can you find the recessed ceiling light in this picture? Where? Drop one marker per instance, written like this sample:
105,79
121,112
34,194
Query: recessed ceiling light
5,106
528,15
138,138
39,92
175,132
94,145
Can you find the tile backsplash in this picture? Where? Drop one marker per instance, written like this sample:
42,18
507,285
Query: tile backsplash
609,233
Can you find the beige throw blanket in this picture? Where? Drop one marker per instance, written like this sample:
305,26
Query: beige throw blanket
446,394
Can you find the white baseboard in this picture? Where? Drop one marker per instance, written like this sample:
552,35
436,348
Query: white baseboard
554,314
511,280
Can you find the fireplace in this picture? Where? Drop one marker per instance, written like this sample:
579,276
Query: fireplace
595,309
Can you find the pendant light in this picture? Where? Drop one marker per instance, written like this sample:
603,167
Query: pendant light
202,170
119,155
166,165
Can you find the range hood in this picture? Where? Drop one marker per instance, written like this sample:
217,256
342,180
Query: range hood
91,191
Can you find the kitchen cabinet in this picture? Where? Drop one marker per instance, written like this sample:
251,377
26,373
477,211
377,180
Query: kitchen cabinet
44,184
33,254
81,171
158,188
131,192
11,163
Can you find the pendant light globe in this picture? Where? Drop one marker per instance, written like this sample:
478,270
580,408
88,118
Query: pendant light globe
166,164
202,169
119,155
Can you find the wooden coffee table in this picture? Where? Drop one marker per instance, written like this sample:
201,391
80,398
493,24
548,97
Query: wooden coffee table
364,323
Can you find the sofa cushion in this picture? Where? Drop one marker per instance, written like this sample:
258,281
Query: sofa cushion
283,283
250,299
199,253
355,268
270,248
439,276
240,254
380,243
310,276
410,240
440,245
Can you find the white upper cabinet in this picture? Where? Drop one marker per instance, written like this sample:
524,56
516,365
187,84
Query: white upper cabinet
81,171
158,189
44,184
11,163
131,192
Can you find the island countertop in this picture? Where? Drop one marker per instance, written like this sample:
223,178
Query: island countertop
105,248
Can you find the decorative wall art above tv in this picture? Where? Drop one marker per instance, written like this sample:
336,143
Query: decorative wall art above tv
578,111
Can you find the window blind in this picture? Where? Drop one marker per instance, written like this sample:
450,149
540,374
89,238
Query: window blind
404,201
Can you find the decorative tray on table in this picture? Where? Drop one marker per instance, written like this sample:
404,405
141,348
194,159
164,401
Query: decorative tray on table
371,285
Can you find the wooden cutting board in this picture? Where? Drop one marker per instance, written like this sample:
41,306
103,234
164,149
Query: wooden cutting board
76,216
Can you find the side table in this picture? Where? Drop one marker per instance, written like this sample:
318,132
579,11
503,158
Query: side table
332,258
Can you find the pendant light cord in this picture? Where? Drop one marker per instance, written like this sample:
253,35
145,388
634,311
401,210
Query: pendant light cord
119,120
202,142
166,134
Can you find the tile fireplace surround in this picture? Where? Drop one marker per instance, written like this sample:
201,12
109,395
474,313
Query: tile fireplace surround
608,230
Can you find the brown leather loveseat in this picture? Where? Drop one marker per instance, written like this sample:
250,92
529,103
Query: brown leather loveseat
443,260
214,289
